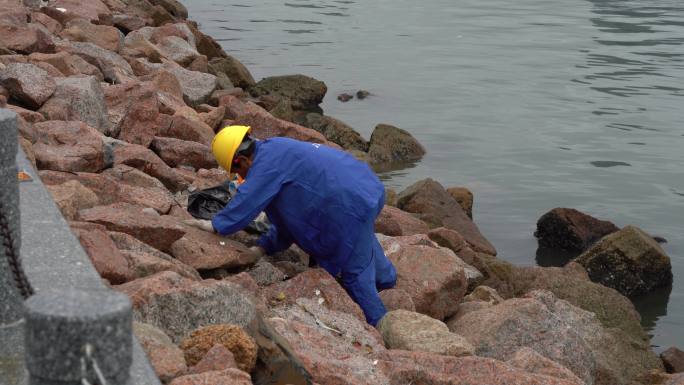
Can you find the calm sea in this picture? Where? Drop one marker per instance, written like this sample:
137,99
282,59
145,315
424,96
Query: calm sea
531,104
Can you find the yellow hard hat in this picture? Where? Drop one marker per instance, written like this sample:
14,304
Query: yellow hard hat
226,143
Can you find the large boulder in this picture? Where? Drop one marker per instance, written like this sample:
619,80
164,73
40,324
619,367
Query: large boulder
560,332
407,330
206,251
103,253
145,260
92,10
27,83
70,146
395,222
147,161
133,111
185,127
18,35
229,70
629,261
71,196
392,144
104,36
178,305
314,284
570,229
434,277
197,86
166,358
157,231
178,49
335,131
67,64
232,337
303,92
263,124
114,68
437,208
178,152
78,98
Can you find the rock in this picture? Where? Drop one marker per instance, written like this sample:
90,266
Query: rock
206,45
92,10
217,358
78,98
336,131
558,331
27,83
139,121
177,49
103,253
161,16
485,294
197,86
266,274
70,146
392,144
177,152
178,305
263,124
395,299
434,276
29,116
232,70
67,64
71,197
206,251
201,64
315,284
184,128
303,92
214,117
103,36
533,362
569,229
465,308
451,239
345,97
407,330
174,7
166,358
629,261
157,231
673,359
223,377
438,209
362,94
20,36
114,68
464,197
144,259
128,23
232,337
395,222
52,25
145,160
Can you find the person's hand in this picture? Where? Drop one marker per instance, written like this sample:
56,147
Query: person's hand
201,224
258,251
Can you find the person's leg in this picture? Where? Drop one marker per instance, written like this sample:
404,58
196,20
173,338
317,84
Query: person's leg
385,273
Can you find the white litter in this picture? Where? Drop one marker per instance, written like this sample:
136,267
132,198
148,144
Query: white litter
63,10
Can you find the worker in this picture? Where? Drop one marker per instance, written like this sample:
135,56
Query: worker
318,197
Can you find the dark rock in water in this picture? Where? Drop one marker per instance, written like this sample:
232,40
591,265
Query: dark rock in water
362,94
336,131
608,163
345,97
305,93
392,144
570,229
659,239
629,261
673,359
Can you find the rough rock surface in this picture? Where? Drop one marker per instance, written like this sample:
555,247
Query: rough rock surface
407,330
395,299
303,92
217,358
264,273
205,251
177,152
91,10
335,131
166,358
673,359
629,261
438,209
145,160
464,197
78,98
570,229
232,337
233,69
20,36
533,362
114,68
103,36
396,222
485,294
434,276
67,64
103,253
27,83
392,144
70,146
197,86
178,305
223,377
72,196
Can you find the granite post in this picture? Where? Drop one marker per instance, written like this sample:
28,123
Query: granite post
11,308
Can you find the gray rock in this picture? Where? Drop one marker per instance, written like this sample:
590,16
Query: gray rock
27,83
266,274
114,67
305,93
178,50
197,86
78,98
392,144
232,69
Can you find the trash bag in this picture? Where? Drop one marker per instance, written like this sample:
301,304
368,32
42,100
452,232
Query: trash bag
204,204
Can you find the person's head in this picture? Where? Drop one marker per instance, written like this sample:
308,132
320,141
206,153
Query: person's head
233,148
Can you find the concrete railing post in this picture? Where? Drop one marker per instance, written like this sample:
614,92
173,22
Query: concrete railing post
11,308
75,337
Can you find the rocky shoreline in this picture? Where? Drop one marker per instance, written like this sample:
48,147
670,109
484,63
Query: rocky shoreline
117,102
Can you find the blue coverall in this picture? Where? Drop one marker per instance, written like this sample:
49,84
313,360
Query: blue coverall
326,202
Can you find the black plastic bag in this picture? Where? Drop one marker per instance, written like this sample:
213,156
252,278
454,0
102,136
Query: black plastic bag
204,204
